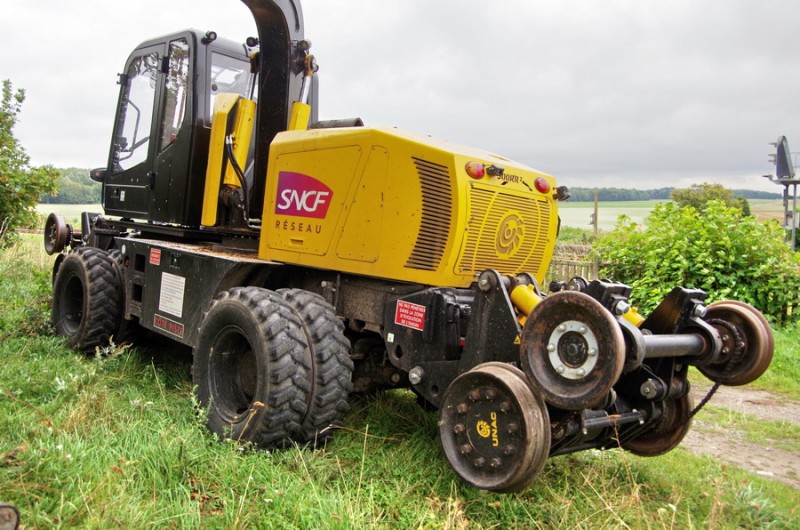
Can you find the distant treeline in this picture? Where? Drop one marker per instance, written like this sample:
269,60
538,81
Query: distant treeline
74,187
661,194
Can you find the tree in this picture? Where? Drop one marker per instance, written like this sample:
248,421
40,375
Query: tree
698,195
21,185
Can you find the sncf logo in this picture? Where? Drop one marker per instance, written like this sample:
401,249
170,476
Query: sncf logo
302,196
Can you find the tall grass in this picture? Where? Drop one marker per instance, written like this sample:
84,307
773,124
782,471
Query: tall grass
116,441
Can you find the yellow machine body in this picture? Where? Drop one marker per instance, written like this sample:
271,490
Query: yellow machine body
383,203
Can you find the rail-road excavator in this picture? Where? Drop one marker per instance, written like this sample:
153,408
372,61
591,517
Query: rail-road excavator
304,260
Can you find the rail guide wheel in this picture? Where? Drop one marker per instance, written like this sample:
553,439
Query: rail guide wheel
495,432
667,432
573,350
747,343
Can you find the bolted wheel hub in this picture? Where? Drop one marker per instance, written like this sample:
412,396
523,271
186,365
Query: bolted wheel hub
572,351
494,431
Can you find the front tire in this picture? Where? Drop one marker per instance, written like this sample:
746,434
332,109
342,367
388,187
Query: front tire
86,299
249,368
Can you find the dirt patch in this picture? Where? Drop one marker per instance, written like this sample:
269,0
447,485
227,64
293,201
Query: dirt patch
730,446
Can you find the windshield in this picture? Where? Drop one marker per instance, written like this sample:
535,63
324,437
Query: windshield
228,75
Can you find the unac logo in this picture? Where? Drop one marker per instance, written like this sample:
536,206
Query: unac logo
302,196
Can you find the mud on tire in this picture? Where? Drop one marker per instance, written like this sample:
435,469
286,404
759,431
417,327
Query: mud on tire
332,368
86,299
250,369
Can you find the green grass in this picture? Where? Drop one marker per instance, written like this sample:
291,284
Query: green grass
781,434
117,442
783,373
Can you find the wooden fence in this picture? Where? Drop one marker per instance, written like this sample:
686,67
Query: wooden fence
570,261
564,269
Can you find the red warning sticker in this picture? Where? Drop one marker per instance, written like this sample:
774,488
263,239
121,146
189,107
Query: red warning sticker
155,256
410,315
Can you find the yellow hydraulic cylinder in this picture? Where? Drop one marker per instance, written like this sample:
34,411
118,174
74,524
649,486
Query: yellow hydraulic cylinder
218,171
298,119
524,298
632,315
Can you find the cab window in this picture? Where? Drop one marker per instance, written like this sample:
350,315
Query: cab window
176,93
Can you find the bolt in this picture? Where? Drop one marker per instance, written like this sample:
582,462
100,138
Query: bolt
580,372
592,352
562,327
648,389
505,406
621,307
462,408
513,427
479,462
551,347
582,330
465,449
474,395
725,350
395,378
495,462
509,450
560,369
699,311
726,337
459,428
491,394
415,375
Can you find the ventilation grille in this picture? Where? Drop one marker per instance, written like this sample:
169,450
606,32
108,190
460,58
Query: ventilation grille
506,232
437,205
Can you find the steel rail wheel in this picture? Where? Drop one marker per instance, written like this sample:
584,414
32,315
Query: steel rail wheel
250,370
495,432
573,350
667,432
747,343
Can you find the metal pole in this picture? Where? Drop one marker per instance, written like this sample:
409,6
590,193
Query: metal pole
794,215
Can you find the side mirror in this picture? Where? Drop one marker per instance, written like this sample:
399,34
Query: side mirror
9,517
98,174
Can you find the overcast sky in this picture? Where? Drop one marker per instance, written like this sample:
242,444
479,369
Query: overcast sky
628,93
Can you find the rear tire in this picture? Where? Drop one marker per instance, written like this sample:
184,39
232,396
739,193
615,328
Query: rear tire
332,368
86,299
250,370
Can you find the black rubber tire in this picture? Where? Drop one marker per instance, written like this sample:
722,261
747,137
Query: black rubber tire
86,299
126,329
331,366
250,369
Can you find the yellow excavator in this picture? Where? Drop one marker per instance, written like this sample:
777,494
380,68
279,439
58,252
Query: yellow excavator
305,260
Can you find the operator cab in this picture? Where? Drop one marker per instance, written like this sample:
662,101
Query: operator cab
159,150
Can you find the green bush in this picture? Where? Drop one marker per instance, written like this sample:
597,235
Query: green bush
727,254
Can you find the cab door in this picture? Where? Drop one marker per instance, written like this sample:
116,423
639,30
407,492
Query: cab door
130,178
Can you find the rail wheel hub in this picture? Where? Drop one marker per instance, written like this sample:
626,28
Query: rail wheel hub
494,431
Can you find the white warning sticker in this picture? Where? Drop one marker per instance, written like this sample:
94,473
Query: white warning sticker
170,299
